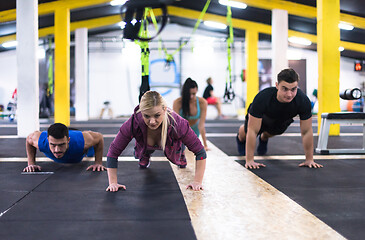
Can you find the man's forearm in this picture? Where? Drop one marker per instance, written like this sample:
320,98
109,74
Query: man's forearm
307,139
99,152
250,146
31,152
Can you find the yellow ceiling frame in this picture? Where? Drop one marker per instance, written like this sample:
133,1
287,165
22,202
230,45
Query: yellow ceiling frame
260,27
183,13
90,24
49,8
301,10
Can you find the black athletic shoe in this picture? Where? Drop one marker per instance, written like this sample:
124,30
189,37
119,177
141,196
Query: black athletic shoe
144,162
262,147
241,146
183,162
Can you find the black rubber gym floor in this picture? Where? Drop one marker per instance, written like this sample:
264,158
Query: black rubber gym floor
72,203
335,194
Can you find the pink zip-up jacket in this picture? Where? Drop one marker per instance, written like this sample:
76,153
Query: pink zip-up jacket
178,133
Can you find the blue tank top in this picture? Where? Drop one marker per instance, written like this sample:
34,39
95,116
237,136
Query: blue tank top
75,152
197,116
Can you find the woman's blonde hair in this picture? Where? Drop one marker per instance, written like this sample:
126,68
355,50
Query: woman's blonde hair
151,99
209,80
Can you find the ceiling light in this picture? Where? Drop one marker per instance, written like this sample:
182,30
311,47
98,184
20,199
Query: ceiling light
118,2
122,24
9,44
233,4
341,49
345,26
215,24
298,40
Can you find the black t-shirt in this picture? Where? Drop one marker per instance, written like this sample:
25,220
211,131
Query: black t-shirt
266,106
207,91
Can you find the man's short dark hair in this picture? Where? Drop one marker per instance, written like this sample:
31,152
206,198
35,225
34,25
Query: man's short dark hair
58,131
288,75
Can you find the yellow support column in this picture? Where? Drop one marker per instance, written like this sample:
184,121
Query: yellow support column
252,76
328,42
62,66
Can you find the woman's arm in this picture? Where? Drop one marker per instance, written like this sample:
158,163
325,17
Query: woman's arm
176,106
113,180
197,185
203,115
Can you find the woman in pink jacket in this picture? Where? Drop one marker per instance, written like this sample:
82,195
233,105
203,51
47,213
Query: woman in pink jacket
156,127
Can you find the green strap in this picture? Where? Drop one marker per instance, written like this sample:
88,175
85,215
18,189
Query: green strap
170,57
145,52
229,43
196,26
156,27
50,69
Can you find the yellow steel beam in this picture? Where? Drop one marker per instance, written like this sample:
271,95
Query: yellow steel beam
90,24
252,76
189,14
292,8
247,25
353,46
237,23
49,8
301,10
62,66
328,59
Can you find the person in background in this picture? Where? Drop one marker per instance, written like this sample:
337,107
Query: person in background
156,127
192,108
211,99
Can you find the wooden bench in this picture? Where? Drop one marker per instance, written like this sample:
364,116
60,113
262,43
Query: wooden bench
339,118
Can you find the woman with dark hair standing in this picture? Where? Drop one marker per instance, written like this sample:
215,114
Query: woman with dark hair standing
192,108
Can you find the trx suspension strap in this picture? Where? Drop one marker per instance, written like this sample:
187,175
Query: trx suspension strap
145,55
50,68
134,10
229,93
170,57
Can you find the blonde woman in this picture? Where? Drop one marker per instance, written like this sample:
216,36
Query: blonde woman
155,127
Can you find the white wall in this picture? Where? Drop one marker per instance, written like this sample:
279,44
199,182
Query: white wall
8,76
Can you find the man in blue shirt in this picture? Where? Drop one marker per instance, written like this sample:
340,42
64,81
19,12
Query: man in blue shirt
64,146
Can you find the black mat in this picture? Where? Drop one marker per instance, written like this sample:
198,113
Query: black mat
335,193
73,204
287,145
278,145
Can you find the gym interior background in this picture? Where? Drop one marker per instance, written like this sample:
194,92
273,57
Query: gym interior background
281,201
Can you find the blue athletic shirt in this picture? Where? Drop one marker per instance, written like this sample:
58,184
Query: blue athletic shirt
75,152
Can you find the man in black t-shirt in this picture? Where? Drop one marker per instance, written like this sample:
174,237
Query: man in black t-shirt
271,113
